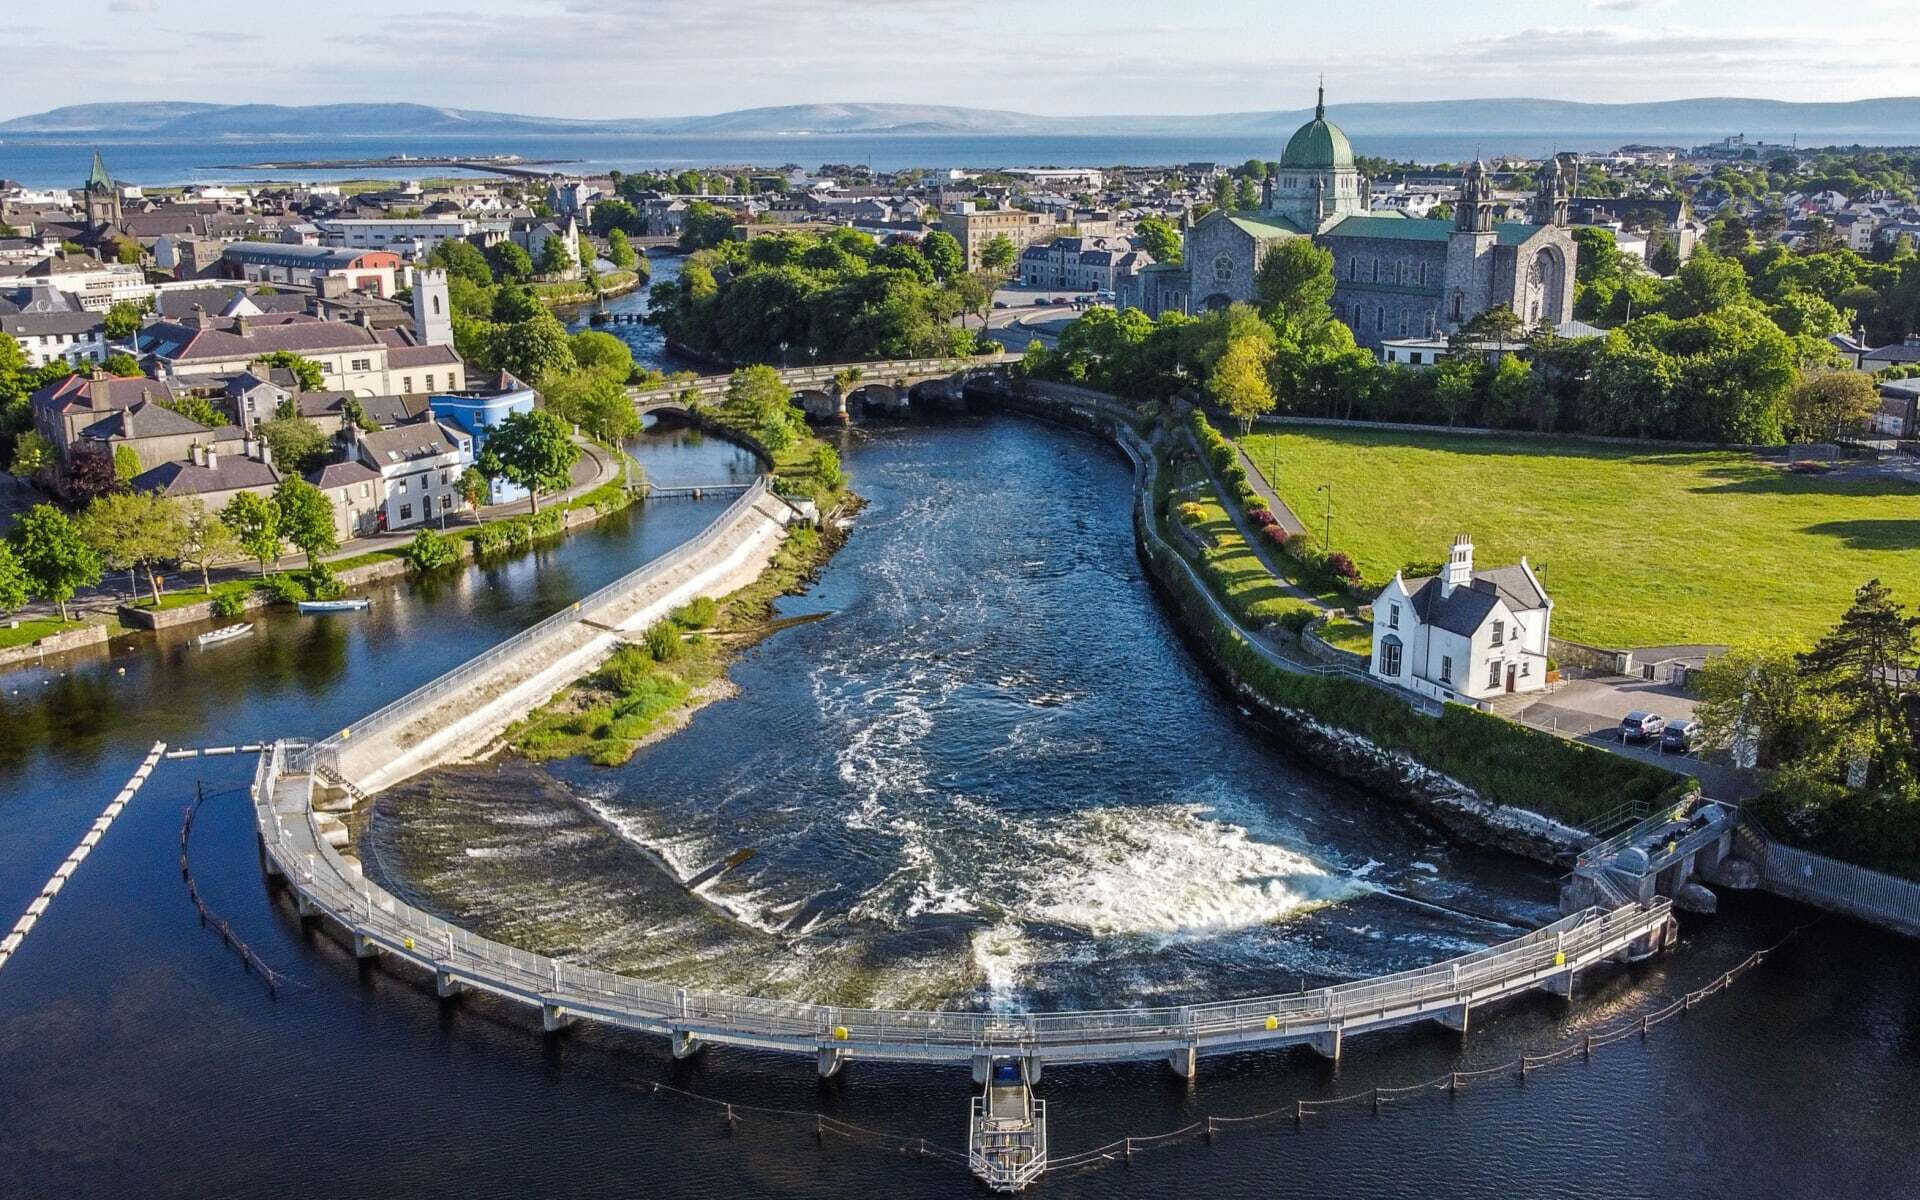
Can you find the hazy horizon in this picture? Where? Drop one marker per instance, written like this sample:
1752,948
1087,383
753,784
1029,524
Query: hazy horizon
669,58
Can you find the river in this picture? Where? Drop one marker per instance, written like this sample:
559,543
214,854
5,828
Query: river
991,773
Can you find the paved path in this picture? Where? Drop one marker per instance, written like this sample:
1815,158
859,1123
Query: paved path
1257,479
1269,555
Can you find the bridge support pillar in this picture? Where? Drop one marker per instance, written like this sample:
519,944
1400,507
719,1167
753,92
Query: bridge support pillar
553,1018
830,1062
1560,985
445,985
1326,1045
271,867
304,906
684,1044
1183,1061
1454,1018
364,946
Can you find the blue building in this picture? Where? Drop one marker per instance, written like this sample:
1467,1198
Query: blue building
476,411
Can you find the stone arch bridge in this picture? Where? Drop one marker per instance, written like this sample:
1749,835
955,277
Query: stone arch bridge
882,384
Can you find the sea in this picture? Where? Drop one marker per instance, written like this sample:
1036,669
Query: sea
63,161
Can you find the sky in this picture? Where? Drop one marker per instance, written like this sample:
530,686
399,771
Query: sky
642,58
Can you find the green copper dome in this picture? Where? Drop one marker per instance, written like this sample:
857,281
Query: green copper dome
1318,145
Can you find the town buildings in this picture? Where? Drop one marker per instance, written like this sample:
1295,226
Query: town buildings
974,227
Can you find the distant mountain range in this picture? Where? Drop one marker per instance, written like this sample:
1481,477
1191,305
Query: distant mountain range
1890,121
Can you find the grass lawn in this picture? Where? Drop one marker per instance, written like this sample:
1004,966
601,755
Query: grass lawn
1354,637
1230,566
1638,547
33,629
187,593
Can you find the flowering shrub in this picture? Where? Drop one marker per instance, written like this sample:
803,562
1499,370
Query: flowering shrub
1275,534
1342,566
1260,516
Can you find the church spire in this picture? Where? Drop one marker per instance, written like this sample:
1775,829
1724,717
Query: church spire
98,178
1320,102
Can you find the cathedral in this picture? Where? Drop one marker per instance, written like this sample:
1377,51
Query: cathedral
1396,276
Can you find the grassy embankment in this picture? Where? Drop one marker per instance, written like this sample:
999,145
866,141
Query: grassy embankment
32,629
1638,547
648,689
1230,566
1503,762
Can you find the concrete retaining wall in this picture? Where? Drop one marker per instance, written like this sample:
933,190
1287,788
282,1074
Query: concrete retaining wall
55,643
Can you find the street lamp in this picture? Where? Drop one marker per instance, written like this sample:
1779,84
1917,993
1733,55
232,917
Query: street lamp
783,354
1326,538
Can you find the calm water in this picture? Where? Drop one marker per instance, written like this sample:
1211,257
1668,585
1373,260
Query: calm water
648,342
136,1057
63,162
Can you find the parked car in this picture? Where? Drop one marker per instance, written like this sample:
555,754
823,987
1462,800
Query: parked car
999,303
1642,726
1679,737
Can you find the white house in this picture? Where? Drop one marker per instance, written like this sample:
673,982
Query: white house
419,466
1463,635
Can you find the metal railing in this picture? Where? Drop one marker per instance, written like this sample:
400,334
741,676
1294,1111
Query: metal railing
879,371
579,610
326,882
1831,884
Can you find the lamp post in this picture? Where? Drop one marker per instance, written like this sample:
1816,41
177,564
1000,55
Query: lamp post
1326,538
783,354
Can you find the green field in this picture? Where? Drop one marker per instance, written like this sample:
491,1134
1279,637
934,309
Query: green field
1637,547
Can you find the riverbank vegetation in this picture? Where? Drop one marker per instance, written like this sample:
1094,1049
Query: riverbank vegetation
1637,547
680,665
834,297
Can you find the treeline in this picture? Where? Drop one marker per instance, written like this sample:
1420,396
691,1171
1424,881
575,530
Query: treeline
792,297
1704,359
1839,727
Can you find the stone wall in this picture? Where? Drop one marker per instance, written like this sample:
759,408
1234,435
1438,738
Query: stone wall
55,643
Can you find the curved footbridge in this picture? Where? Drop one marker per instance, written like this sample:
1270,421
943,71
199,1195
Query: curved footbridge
300,791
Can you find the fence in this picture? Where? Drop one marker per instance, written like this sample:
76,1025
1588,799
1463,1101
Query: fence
871,372
533,634
1828,883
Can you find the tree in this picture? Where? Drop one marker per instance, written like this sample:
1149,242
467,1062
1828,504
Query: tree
1866,664
1223,192
126,463
1706,284
620,249
973,292
1159,238
57,560
255,522
555,258
91,472
534,348
130,530
430,551
473,487
32,453
755,393
306,372
461,259
353,415
602,352
297,443
121,365
532,449
1293,286
123,320
1246,194
516,302
1239,379
305,518
205,540
998,254
595,400
1828,405
703,226
942,252
15,586
510,263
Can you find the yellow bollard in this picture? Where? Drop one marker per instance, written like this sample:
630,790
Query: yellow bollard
1559,958
1273,1023
839,1033
407,942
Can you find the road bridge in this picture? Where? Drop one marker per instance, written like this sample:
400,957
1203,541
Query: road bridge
897,373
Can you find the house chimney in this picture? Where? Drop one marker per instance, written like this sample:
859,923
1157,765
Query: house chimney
263,452
240,324
195,455
1459,571
198,319
213,458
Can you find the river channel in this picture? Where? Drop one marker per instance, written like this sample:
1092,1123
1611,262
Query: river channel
991,774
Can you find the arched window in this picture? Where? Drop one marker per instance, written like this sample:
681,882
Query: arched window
1390,655
1459,306
436,306
1353,269
1223,269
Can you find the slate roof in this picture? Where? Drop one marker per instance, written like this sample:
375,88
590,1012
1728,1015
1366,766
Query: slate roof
142,420
178,304
342,474
302,335
406,443
422,356
230,472
45,324
100,395
1466,609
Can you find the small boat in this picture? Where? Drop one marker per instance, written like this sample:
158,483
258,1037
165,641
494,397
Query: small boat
350,604
225,633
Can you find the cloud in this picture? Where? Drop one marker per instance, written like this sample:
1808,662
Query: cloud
1627,5
132,6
